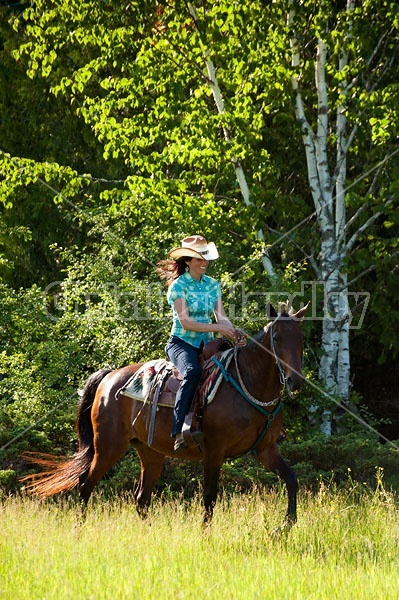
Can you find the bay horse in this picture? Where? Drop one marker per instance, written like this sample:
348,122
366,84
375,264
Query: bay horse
244,415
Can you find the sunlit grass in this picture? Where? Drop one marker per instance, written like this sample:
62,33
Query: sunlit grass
346,544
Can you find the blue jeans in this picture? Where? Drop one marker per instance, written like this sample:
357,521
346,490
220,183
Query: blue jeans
186,359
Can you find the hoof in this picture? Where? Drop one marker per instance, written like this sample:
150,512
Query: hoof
284,528
142,510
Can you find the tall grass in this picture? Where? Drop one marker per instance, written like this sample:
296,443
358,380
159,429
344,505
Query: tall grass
346,544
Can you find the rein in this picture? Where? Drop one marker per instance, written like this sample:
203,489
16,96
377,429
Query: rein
283,380
244,389
256,404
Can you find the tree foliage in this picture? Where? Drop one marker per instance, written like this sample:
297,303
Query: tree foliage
112,149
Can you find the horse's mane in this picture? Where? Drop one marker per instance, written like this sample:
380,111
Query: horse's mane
257,338
284,310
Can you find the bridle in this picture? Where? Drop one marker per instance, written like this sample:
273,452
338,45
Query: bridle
283,378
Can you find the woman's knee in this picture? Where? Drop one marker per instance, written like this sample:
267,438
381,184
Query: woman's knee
193,372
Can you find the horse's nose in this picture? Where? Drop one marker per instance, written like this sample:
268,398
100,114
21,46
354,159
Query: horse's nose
295,382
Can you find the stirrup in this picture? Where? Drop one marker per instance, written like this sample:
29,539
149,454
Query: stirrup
180,444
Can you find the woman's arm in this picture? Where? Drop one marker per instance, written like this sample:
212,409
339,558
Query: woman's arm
220,313
223,325
221,317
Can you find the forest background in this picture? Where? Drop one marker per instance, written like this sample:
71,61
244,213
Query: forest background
269,127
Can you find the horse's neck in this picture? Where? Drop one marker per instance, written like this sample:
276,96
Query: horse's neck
259,371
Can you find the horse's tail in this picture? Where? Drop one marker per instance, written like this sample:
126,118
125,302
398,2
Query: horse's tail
63,474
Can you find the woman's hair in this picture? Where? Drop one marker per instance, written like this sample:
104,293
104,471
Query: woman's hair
170,269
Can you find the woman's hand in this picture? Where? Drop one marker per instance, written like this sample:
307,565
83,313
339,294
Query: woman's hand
226,329
240,338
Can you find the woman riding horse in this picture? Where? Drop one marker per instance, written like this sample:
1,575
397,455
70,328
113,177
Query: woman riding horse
194,297
244,415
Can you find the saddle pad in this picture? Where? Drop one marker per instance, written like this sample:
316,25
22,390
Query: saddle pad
213,377
140,384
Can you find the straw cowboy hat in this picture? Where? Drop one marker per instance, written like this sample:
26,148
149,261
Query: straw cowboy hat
195,246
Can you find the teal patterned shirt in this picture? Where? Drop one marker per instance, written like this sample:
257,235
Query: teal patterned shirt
201,297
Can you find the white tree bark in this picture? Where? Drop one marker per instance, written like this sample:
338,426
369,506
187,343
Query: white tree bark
343,366
328,194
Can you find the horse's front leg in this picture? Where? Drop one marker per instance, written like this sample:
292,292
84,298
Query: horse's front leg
212,467
271,458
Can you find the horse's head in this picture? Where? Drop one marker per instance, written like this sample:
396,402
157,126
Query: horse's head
286,344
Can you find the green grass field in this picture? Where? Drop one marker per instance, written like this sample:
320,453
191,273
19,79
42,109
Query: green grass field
345,545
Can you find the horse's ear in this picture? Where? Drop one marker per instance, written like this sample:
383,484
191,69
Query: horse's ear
301,313
271,313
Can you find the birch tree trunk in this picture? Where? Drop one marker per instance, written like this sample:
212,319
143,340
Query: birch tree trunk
328,192
343,363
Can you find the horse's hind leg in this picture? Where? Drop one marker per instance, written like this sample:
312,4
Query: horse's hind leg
108,450
151,467
111,432
270,458
101,463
